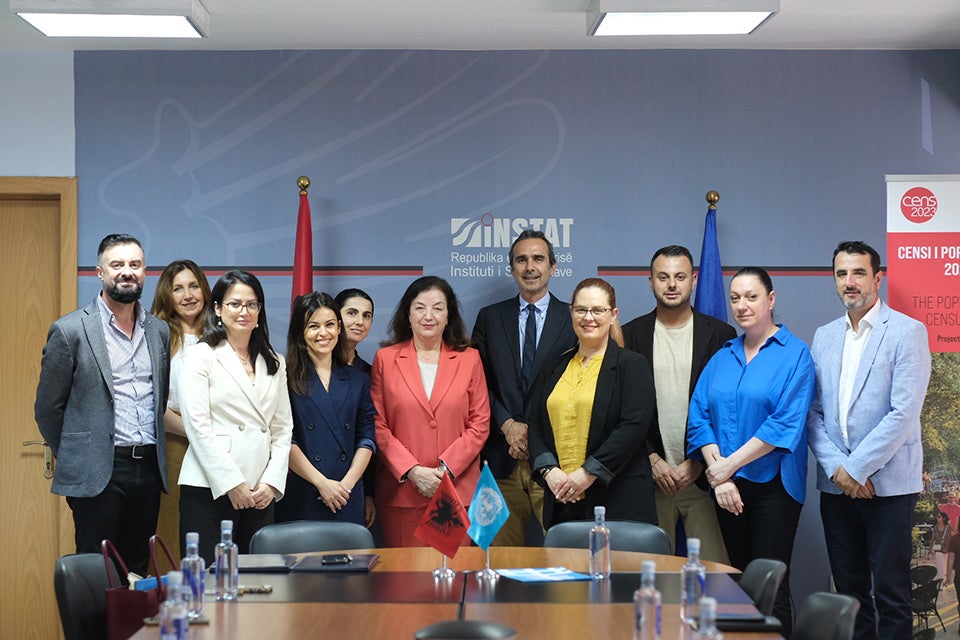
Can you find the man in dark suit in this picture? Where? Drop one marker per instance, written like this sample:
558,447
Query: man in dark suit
517,338
678,342
100,403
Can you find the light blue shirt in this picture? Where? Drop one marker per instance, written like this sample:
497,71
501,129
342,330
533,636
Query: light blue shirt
133,414
767,398
542,305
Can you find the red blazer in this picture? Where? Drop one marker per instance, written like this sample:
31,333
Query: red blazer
411,430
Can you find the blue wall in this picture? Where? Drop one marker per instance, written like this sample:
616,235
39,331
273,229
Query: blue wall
416,155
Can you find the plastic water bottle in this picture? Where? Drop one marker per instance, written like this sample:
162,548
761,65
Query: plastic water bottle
227,567
707,629
647,603
693,578
194,572
600,546
174,622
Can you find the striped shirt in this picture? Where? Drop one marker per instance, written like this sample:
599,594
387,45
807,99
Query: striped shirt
133,410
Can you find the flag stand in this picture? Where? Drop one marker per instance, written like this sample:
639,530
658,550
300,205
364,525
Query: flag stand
487,573
444,572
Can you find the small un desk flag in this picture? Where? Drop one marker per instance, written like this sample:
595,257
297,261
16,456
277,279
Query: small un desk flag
488,510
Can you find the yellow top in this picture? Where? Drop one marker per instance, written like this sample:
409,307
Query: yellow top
570,406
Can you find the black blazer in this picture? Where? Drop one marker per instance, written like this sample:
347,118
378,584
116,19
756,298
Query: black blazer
497,337
709,334
623,411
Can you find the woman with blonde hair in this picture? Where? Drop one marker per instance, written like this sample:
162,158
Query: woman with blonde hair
591,413
180,301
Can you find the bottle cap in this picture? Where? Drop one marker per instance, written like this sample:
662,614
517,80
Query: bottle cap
599,511
693,545
227,525
648,566
708,606
174,579
193,538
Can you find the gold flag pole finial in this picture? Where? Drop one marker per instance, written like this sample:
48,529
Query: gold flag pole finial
304,183
712,199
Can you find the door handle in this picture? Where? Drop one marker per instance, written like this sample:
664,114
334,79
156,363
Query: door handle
47,456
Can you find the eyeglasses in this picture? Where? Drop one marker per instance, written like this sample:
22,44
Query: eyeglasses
596,312
236,306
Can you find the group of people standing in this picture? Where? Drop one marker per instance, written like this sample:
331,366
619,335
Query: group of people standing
671,416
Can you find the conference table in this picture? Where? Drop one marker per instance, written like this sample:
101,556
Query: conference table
399,595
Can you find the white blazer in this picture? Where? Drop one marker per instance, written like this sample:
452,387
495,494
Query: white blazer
239,431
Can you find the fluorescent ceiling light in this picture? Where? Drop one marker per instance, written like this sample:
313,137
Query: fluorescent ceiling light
677,17
115,18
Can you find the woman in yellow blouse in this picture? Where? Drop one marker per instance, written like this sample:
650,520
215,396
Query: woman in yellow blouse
591,413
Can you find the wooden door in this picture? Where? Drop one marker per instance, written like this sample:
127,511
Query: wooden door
38,267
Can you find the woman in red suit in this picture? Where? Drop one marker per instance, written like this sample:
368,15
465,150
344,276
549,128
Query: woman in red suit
433,414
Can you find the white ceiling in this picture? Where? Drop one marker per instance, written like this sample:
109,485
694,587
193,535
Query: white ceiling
518,24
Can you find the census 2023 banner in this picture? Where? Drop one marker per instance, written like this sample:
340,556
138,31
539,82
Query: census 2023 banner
923,254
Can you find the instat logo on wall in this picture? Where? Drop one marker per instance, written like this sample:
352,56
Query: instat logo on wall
489,232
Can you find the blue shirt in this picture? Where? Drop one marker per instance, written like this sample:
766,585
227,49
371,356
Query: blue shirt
767,399
133,412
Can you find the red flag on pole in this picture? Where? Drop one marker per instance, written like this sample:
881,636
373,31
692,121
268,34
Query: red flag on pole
303,251
445,521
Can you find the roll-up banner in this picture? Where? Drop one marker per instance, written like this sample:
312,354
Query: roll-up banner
923,254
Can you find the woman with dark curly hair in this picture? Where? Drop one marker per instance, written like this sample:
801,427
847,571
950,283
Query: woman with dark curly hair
433,414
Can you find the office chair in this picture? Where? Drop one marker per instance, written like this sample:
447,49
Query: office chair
826,616
761,581
465,630
80,582
625,535
306,535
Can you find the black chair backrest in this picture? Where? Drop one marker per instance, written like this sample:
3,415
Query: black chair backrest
926,595
80,582
625,535
305,536
465,630
761,581
923,573
826,616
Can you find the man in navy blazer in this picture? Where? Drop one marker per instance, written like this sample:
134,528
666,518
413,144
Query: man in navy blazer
104,378
678,342
499,333
873,366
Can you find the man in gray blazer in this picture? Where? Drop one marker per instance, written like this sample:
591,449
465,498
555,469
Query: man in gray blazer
873,366
502,338
100,403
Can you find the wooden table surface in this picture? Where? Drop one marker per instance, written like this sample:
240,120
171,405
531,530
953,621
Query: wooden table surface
256,617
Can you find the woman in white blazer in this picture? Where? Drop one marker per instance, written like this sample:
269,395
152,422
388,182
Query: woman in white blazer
236,412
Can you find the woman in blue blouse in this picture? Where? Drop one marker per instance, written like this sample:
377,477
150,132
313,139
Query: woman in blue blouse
748,423
333,427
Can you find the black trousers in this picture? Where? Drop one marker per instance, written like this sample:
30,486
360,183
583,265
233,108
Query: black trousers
125,512
765,529
869,543
201,513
